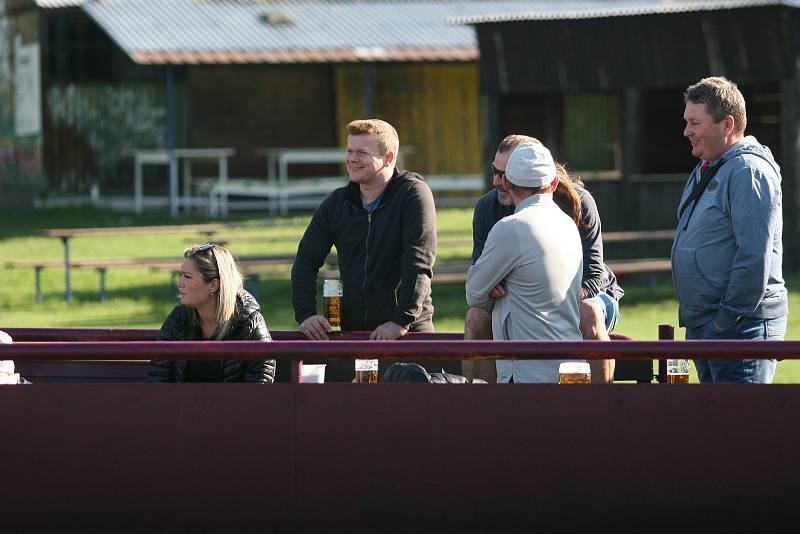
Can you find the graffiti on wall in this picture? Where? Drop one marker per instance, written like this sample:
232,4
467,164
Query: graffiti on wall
6,76
103,123
20,155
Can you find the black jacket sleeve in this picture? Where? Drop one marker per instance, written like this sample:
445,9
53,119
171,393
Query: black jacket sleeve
594,273
311,253
171,330
262,371
419,253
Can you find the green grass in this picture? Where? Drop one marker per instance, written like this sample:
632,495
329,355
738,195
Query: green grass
143,298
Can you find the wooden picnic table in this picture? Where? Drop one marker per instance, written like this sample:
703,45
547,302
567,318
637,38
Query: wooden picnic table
279,159
162,156
245,263
65,234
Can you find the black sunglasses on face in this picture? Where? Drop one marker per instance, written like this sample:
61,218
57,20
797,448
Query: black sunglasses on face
497,172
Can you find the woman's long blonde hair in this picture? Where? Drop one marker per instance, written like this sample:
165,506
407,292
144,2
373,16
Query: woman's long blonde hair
215,262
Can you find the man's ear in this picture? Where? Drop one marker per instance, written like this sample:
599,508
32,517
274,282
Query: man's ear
554,183
730,125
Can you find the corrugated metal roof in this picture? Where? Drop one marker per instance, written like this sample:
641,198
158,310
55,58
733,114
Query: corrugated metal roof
558,10
55,4
245,31
325,31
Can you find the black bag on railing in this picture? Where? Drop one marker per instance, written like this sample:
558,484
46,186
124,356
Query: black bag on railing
414,372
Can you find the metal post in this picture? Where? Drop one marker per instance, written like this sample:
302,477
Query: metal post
39,297
173,163
223,181
138,202
251,284
68,287
367,88
102,271
665,332
188,199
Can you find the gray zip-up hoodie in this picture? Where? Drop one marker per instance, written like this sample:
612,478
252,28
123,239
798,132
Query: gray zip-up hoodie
728,250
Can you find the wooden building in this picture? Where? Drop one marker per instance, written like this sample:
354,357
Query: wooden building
601,83
121,75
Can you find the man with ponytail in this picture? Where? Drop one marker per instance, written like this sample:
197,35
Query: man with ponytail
600,293
536,253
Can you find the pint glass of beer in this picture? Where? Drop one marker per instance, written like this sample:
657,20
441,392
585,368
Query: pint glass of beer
366,372
574,373
332,303
677,371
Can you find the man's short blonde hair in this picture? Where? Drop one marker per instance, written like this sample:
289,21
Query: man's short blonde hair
388,141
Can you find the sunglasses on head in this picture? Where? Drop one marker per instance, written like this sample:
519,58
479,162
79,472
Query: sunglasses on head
497,172
207,246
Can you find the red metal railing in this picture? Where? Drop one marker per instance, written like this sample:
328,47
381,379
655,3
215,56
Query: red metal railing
123,344
150,334
61,344
433,349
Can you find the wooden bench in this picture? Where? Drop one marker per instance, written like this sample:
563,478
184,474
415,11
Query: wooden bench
65,234
306,193
245,263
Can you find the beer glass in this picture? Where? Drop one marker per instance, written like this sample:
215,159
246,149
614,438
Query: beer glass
574,373
366,372
677,371
332,303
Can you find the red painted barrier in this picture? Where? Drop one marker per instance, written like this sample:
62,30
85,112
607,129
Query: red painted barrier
402,458
150,334
449,349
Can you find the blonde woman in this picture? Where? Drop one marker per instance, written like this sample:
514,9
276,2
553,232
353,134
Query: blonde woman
214,306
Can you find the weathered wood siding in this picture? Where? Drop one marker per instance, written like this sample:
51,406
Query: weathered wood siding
250,107
433,106
746,44
529,69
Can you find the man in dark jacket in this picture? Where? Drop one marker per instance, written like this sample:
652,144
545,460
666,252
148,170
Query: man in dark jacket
383,225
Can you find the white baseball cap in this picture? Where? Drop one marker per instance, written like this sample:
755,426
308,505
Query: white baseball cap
530,165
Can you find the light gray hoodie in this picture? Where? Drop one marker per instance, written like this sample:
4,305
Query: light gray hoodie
728,250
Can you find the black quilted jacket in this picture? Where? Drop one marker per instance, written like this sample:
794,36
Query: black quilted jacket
248,325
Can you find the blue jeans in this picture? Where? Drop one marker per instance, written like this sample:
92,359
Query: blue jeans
610,308
727,371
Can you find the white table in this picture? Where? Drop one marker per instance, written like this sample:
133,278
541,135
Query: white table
279,159
161,157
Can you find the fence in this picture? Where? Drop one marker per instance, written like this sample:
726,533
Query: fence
399,457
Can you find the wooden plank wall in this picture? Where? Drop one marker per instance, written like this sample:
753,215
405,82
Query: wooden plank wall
256,106
398,458
433,106
746,44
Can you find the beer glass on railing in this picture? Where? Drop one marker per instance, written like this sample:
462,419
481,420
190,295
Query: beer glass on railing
677,371
332,303
574,373
366,372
